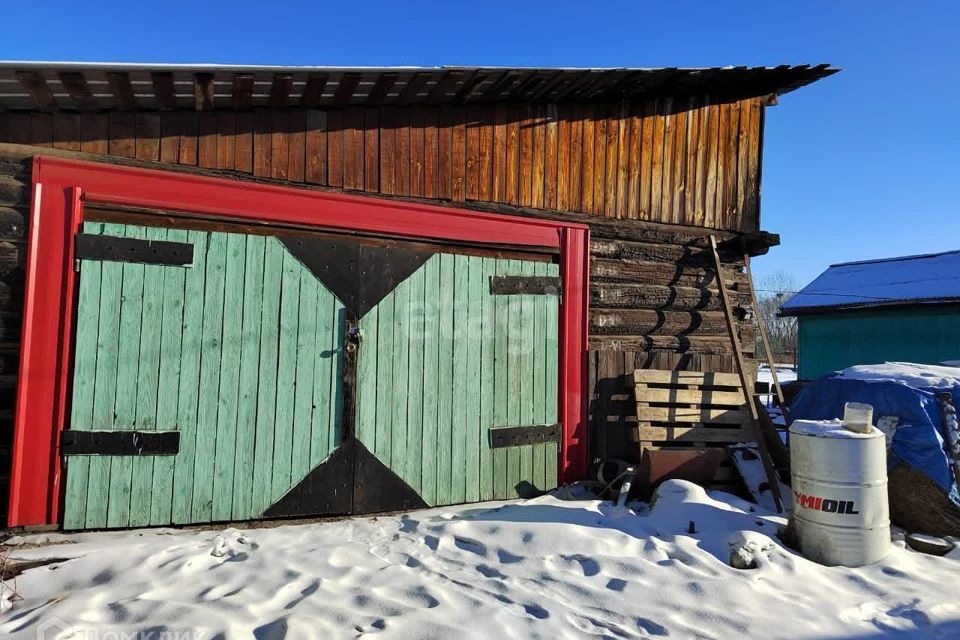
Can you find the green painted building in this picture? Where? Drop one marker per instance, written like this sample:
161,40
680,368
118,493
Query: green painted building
898,309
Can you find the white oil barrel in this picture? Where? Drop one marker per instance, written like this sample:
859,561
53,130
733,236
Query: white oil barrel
839,482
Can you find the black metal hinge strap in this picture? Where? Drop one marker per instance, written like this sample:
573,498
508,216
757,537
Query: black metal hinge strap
526,285
120,443
114,249
519,436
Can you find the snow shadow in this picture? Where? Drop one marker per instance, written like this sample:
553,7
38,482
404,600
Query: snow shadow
681,509
923,631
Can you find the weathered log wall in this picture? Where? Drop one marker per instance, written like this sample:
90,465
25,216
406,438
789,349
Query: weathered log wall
654,304
14,203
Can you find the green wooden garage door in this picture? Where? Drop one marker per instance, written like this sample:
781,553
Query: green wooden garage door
305,376
444,361
240,353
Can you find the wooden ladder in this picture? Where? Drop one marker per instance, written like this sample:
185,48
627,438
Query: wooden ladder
768,355
762,425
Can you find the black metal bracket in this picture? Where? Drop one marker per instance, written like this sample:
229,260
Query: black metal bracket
526,285
90,246
519,436
119,443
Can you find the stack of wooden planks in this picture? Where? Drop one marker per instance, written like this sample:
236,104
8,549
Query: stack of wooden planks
691,410
690,406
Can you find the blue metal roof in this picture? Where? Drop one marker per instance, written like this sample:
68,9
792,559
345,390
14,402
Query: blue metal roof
923,279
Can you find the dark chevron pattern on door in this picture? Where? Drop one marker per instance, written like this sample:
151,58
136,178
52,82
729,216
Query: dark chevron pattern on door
359,275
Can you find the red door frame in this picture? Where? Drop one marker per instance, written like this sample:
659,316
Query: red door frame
60,188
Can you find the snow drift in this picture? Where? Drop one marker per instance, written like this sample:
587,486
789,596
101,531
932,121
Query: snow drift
547,568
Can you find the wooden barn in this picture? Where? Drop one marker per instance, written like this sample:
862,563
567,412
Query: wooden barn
231,293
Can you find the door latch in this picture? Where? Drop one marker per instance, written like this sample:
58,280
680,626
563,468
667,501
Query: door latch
353,336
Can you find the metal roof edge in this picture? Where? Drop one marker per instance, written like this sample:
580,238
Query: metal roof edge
52,86
919,256
185,66
912,302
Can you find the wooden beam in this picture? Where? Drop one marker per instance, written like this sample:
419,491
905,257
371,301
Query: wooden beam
411,91
571,83
345,88
37,87
752,243
76,85
313,90
495,78
443,86
122,90
548,86
242,91
203,91
628,295
698,414
280,91
649,322
466,89
685,378
685,344
692,433
163,90
690,396
642,272
381,88
534,85
501,84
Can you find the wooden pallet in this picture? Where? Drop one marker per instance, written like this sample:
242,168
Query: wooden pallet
690,407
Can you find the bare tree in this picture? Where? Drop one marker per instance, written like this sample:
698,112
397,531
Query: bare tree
773,291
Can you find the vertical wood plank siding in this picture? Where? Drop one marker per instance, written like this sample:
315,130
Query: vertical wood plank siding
444,362
269,354
683,161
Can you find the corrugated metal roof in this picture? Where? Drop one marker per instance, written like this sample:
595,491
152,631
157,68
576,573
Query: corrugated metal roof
83,86
922,279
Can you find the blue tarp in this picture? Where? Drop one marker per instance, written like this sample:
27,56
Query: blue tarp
919,439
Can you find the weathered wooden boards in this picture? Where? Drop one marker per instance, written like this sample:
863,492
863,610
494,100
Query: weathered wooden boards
680,161
691,407
443,362
239,353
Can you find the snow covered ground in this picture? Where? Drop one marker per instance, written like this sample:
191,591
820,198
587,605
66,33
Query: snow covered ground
785,374
545,568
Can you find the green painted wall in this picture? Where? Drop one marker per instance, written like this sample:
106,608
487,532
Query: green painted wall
240,353
915,334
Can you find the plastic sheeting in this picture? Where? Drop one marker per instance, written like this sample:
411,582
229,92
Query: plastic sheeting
918,440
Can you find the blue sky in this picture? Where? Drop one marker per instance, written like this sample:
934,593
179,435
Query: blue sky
861,165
